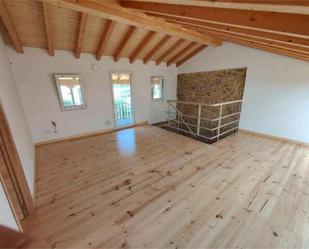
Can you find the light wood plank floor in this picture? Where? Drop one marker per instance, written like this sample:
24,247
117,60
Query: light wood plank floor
149,188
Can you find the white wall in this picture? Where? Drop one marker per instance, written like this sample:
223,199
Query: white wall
276,95
34,75
12,106
6,216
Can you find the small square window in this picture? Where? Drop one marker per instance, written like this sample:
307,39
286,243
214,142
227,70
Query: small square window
157,88
70,92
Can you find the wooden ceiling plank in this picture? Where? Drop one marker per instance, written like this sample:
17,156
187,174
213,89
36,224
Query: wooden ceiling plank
189,56
181,53
10,27
114,11
170,50
156,48
108,30
287,39
150,35
48,29
280,22
296,7
124,42
81,34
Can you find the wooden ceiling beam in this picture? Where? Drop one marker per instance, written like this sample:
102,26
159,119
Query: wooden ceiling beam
48,29
296,7
170,50
81,34
124,42
150,35
156,48
277,44
180,54
108,30
189,23
10,27
189,56
277,22
114,11
268,49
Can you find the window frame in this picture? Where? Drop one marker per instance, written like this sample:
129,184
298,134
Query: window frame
60,98
152,89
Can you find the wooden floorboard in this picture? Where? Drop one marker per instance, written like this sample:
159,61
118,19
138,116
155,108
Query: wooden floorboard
146,187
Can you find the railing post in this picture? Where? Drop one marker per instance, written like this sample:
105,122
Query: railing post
219,125
199,119
177,120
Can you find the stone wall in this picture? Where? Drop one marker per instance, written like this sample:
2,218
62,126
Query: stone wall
211,88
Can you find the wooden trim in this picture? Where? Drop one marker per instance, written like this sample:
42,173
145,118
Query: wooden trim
16,169
90,134
114,11
10,27
159,123
296,7
124,42
48,29
181,53
277,22
108,30
169,50
81,34
150,35
189,56
286,140
156,48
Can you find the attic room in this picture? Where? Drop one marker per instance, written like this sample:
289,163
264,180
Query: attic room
154,124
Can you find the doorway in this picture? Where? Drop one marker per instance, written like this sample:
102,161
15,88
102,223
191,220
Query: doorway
122,98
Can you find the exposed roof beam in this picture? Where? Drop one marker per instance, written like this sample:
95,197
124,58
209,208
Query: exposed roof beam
156,48
170,50
141,45
296,7
114,11
109,27
277,22
189,56
81,34
48,29
124,42
268,48
181,53
10,27
257,39
189,23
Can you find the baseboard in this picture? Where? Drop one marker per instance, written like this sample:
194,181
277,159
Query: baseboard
90,134
159,123
287,140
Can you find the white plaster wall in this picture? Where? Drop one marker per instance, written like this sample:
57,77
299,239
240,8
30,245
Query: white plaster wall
276,95
6,216
34,75
13,109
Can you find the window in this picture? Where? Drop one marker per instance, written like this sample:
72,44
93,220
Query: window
157,88
70,91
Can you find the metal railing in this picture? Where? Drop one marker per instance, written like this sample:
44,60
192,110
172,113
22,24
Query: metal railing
123,111
228,114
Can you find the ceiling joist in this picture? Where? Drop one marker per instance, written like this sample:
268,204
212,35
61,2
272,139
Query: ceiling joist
81,34
169,51
108,30
180,54
277,22
189,56
48,29
114,11
10,27
124,42
141,45
156,48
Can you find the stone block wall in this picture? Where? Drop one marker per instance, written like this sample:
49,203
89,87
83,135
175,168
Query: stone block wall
211,88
